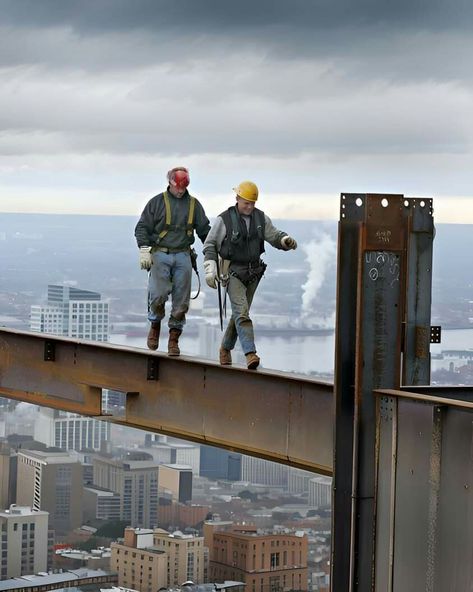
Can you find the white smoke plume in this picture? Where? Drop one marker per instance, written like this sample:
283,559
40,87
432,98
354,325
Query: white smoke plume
321,255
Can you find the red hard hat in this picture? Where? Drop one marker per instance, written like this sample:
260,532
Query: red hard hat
179,177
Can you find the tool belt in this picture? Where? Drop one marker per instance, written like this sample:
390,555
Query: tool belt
250,272
171,251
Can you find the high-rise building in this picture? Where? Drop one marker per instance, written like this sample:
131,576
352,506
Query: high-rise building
263,472
298,480
172,451
24,541
72,312
101,504
81,314
320,491
136,481
176,480
70,431
51,481
8,475
185,556
216,463
265,562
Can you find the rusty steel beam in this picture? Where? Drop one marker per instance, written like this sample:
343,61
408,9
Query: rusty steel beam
280,417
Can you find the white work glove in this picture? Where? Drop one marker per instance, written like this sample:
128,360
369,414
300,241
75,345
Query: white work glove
210,267
146,261
288,243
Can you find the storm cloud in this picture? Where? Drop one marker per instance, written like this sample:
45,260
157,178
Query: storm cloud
313,97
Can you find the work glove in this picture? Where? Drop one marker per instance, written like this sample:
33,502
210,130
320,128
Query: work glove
146,261
288,243
210,267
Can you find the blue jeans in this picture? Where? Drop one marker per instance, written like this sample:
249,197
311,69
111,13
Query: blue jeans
171,274
240,324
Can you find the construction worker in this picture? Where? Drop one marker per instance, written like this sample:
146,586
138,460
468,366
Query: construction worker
238,237
165,233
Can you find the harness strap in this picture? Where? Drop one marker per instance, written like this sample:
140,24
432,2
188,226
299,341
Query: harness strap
167,221
190,218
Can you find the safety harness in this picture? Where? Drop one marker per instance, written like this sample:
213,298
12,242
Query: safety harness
167,223
235,237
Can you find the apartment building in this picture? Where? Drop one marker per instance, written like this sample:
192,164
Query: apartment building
266,562
24,537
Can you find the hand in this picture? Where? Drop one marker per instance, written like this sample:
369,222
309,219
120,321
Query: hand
146,261
210,267
288,243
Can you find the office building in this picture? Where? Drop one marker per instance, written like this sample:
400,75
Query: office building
136,482
51,481
266,562
263,472
298,480
70,431
8,475
320,492
216,463
175,481
101,504
24,541
72,312
166,450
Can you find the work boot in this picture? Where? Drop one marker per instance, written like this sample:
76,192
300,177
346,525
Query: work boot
173,343
252,361
225,356
153,335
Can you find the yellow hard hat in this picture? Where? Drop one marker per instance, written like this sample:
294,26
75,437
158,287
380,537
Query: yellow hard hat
247,190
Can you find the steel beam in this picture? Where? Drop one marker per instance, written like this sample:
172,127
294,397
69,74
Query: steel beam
280,417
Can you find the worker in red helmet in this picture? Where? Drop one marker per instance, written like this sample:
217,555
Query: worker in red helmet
165,233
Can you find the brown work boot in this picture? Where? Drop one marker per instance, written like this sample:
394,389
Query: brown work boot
252,361
225,357
153,335
173,343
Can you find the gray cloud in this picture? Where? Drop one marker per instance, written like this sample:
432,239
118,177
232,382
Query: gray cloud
330,86
210,16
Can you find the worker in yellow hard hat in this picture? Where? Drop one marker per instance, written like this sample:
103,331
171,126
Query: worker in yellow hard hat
238,237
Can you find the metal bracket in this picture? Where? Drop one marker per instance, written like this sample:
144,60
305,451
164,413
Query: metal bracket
435,334
49,351
153,369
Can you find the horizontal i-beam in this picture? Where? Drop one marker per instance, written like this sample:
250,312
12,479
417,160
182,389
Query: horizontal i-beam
281,417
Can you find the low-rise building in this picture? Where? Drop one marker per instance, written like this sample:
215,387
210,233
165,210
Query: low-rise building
265,561
24,538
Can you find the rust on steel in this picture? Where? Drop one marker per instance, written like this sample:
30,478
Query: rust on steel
281,417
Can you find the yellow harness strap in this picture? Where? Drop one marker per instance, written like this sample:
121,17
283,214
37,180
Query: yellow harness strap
167,222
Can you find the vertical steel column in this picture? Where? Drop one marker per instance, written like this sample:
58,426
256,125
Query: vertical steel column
416,355
415,371
370,303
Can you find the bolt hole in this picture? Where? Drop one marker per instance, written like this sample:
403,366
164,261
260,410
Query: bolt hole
422,204
359,201
406,203
384,202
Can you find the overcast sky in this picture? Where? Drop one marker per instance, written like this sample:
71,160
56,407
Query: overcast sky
308,98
